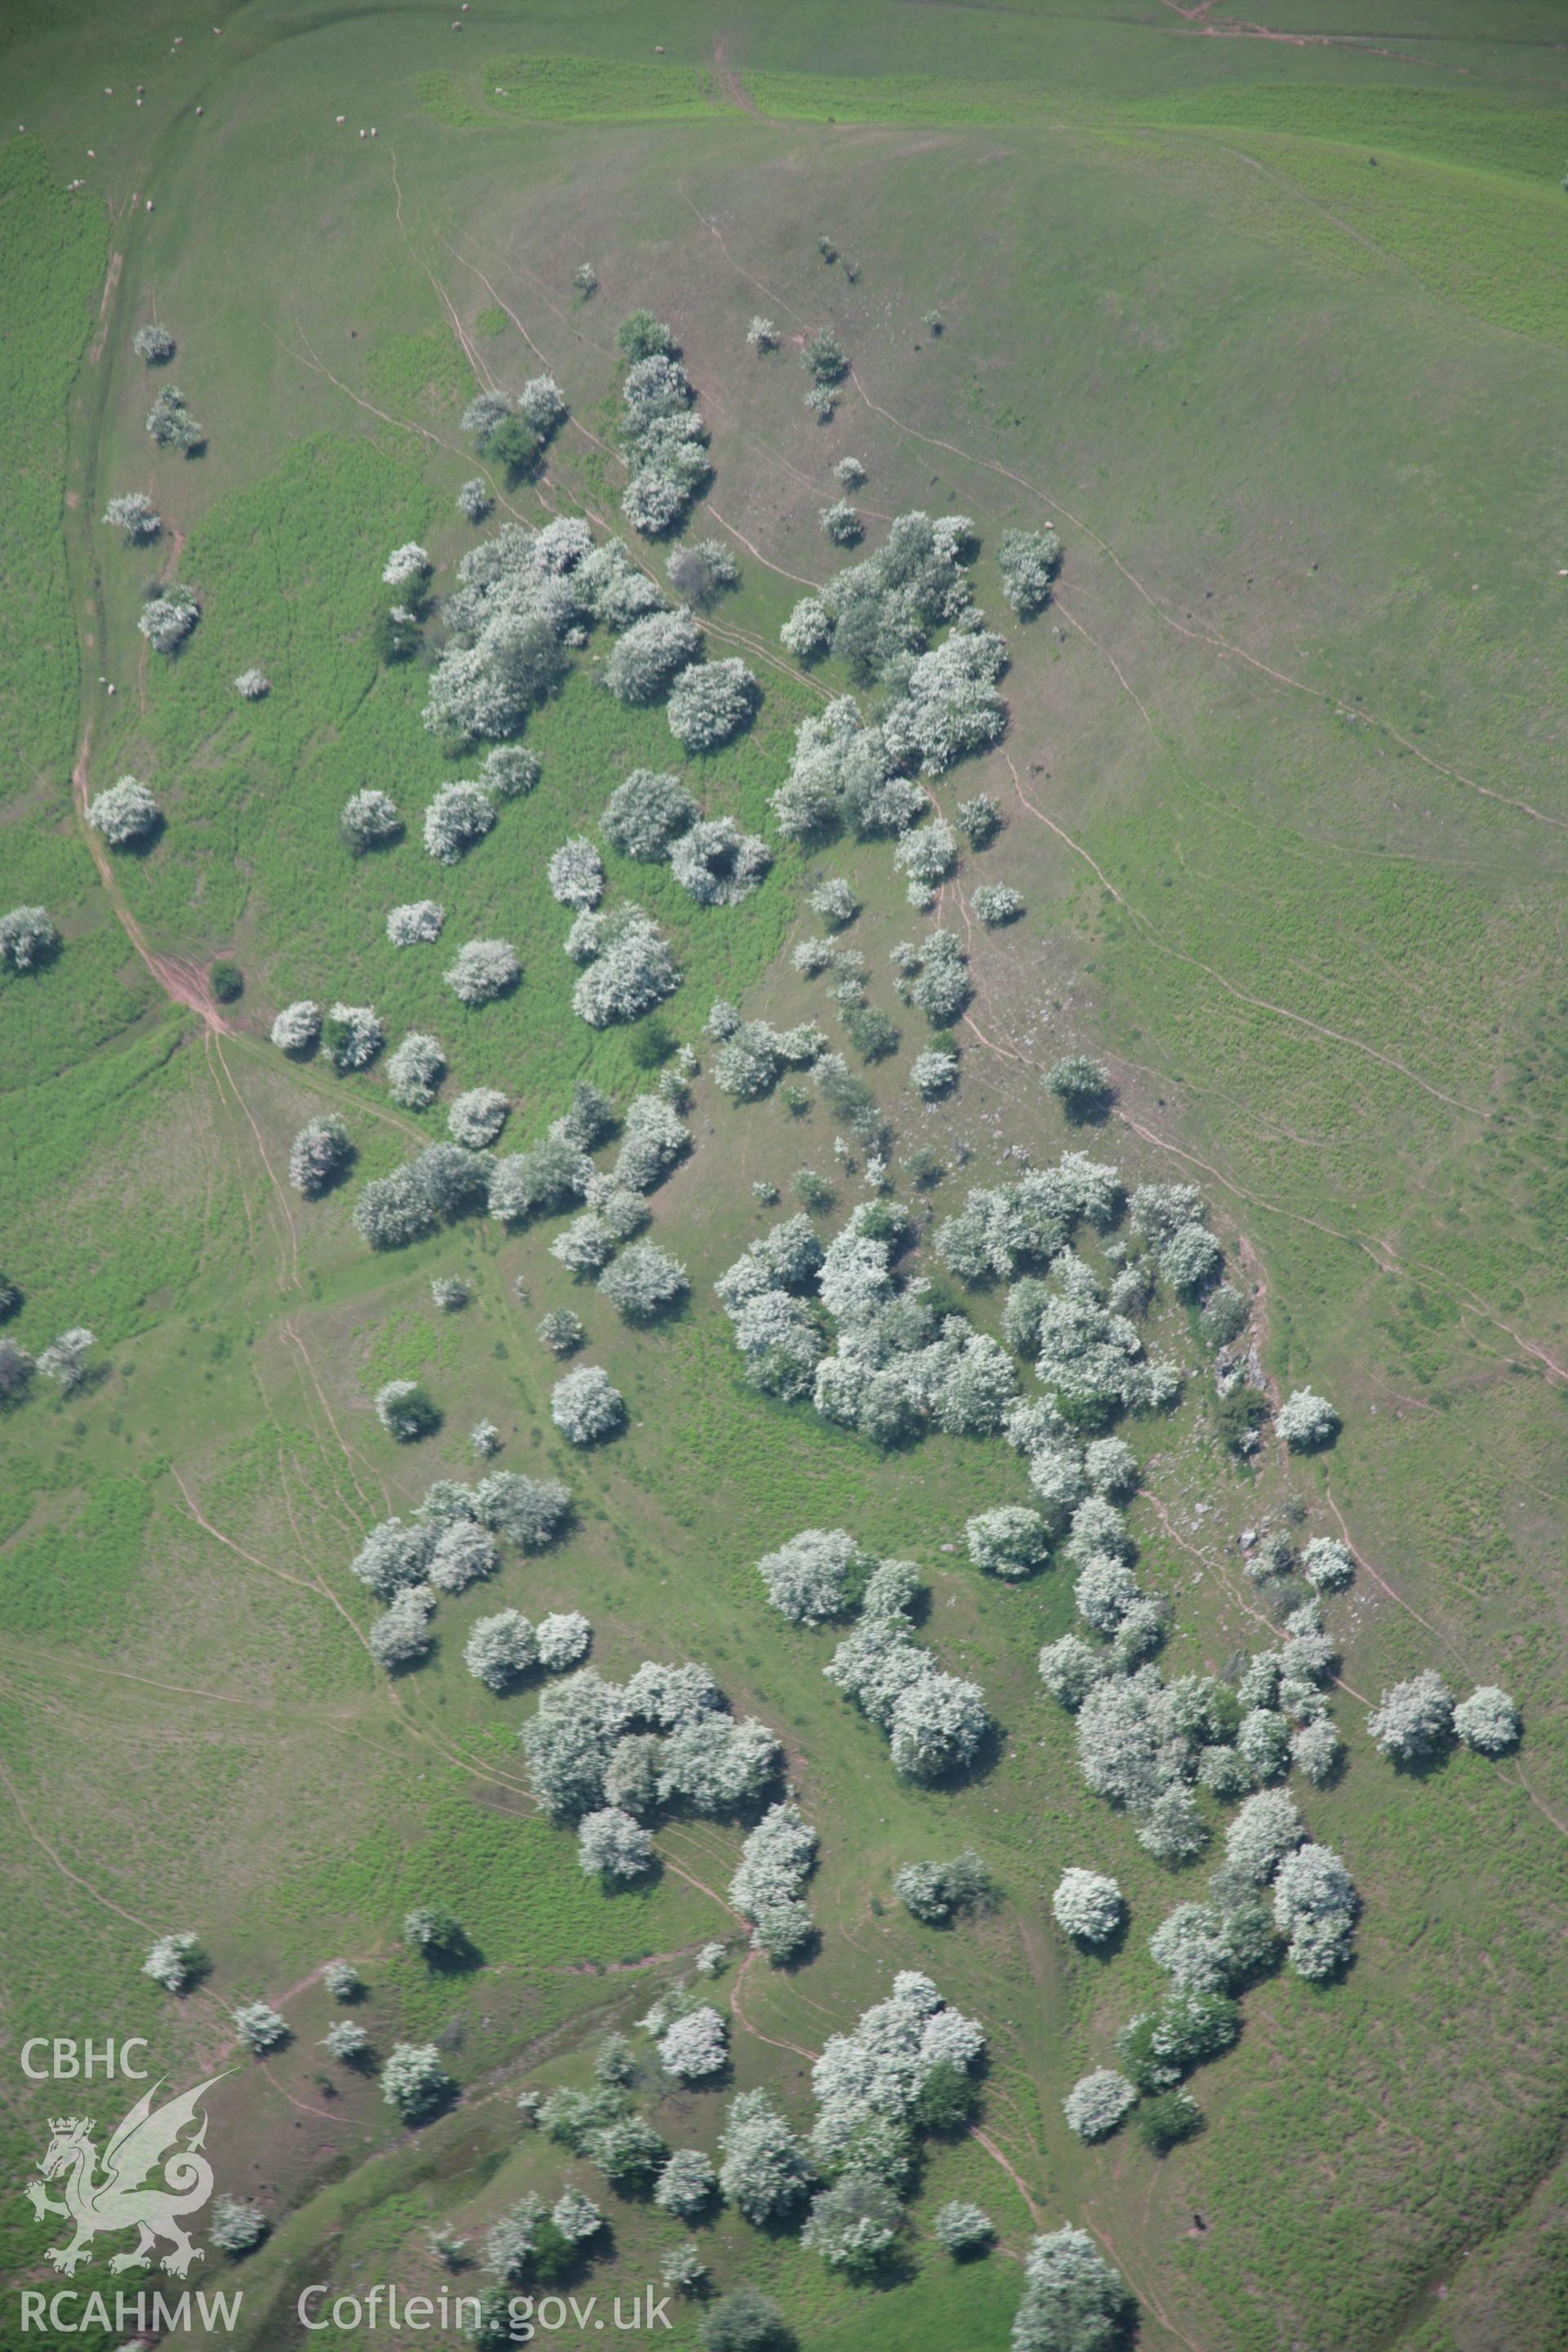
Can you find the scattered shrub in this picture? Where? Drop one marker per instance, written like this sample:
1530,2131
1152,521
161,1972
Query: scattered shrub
650,657
124,813
717,864
406,1412
996,904
1088,1906
134,516
415,2080
414,1071
1414,1721
1098,2103
1488,1721
935,1892
1308,1423
825,358
647,815
483,969
710,702
585,1408
561,1332
369,821
170,424
459,816
961,2229
1082,1087
1028,562
29,938
236,2226
699,571
175,1962
576,874
322,1152
352,1035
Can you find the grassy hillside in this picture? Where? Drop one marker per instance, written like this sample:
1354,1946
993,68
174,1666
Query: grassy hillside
1282,789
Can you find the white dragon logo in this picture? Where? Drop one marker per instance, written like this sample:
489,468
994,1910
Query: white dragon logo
146,2138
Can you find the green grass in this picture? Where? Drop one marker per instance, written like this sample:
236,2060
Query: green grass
53,250
591,90
72,1579
1492,246
1435,126
1275,427
52,253
289,575
423,373
898,98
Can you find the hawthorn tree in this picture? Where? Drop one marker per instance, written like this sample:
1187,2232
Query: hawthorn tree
1414,1720
1098,2103
1488,1721
483,969
1307,1421
124,813
135,516
175,1962
1028,562
369,821
320,1153
586,1407
1088,1906
415,2080
647,815
1082,1087
710,702
29,938
613,1846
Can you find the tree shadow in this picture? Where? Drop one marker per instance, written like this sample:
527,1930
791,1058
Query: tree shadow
339,1174
457,1955
142,845
897,2268
987,1757
668,1313
1425,1766
41,955
615,1885
1104,1948
808,1949
433,2106
1095,1112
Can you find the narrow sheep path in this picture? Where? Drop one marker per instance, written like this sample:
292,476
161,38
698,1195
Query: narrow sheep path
1361,715
72,1876
1382,1254
448,1754
737,2009
729,79
1142,2290
1438,1633
111,284
1242,995
179,982
288,1276
1011,2169
603,449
